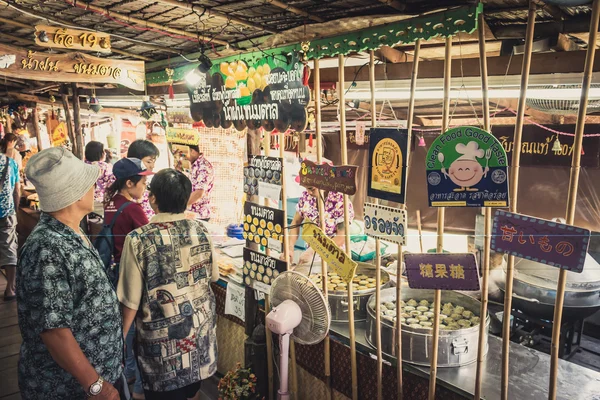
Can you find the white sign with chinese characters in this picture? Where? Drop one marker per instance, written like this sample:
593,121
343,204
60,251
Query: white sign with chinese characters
385,223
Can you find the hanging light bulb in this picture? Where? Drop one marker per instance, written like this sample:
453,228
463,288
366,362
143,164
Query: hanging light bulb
421,141
556,147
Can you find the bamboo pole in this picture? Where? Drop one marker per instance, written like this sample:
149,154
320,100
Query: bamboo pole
269,336
514,187
78,146
487,212
377,248
573,186
344,149
286,253
65,102
409,126
437,300
35,117
420,230
321,206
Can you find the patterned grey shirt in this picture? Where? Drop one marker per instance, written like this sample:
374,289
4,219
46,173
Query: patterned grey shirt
166,270
61,283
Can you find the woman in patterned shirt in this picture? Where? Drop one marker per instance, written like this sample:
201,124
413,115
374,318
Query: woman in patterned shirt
146,151
307,209
94,154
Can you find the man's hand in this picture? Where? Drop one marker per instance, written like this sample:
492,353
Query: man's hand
108,392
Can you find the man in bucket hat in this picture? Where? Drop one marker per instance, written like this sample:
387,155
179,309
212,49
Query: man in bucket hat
68,311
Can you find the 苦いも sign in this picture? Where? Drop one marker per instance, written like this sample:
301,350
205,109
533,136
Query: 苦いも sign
547,242
442,271
467,167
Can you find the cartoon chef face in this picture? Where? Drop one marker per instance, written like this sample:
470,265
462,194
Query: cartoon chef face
466,171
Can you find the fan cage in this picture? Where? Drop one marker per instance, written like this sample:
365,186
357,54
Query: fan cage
562,107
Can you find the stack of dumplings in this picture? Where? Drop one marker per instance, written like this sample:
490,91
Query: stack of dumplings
420,315
335,282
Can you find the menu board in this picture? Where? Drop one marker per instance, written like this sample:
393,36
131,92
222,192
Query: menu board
261,268
467,167
387,164
263,226
547,242
263,177
385,223
442,271
271,93
341,179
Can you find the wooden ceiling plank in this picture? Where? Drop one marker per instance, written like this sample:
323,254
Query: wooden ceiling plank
393,55
216,14
294,10
394,4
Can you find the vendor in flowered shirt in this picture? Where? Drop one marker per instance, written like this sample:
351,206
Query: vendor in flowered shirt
146,151
202,177
307,209
95,155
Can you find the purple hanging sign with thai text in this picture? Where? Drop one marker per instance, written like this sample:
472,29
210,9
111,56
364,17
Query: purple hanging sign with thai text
442,271
547,242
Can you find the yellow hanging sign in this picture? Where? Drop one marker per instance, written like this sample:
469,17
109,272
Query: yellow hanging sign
335,257
60,135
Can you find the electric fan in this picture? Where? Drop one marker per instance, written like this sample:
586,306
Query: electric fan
299,310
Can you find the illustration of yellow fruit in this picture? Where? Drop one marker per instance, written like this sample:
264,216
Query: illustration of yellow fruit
246,227
251,237
267,233
240,73
257,239
230,82
233,65
263,242
251,85
278,228
260,231
257,78
224,67
253,228
263,223
266,69
243,65
249,218
269,225
244,91
259,69
255,221
251,72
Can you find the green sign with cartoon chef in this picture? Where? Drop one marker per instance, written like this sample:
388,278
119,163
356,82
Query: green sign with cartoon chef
467,167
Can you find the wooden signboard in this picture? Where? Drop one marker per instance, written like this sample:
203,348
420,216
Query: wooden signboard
442,271
71,39
183,136
385,223
335,257
547,242
70,67
387,164
341,179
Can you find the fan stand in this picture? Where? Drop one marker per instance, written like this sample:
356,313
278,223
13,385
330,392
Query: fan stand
284,350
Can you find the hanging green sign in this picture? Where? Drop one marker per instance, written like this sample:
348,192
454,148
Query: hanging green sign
467,167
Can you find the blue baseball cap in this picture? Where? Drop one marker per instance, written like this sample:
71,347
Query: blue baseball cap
128,167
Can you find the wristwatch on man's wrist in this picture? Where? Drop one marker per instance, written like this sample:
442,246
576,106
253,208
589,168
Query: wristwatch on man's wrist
95,388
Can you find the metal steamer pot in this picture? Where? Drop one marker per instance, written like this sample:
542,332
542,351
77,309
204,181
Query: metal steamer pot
534,289
455,348
338,300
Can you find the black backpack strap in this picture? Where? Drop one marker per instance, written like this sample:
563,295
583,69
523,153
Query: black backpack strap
119,211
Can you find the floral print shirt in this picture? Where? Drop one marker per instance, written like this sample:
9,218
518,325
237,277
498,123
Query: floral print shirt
61,283
145,203
334,210
7,202
202,177
104,181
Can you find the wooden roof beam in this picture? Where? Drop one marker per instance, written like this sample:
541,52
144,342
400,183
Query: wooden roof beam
393,55
149,24
210,13
295,10
394,4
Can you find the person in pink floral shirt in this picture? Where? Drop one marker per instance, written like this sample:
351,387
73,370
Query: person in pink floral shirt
94,154
146,151
307,209
203,178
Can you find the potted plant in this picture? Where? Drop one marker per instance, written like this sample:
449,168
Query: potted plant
238,384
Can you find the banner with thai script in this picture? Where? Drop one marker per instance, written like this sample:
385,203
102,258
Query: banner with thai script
442,271
259,267
183,136
270,93
70,67
263,177
385,223
340,178
335,257
263,226
387,164
547,242
467,167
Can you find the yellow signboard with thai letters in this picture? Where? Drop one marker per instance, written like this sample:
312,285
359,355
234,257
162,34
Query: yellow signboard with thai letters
335,257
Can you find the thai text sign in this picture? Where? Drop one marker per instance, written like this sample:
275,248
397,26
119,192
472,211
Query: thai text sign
263,176
387,164
270,93
261,268
72,39
442,271
385,223
183,136
340,179
467,167
263,225
559,245
335,257
71,67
